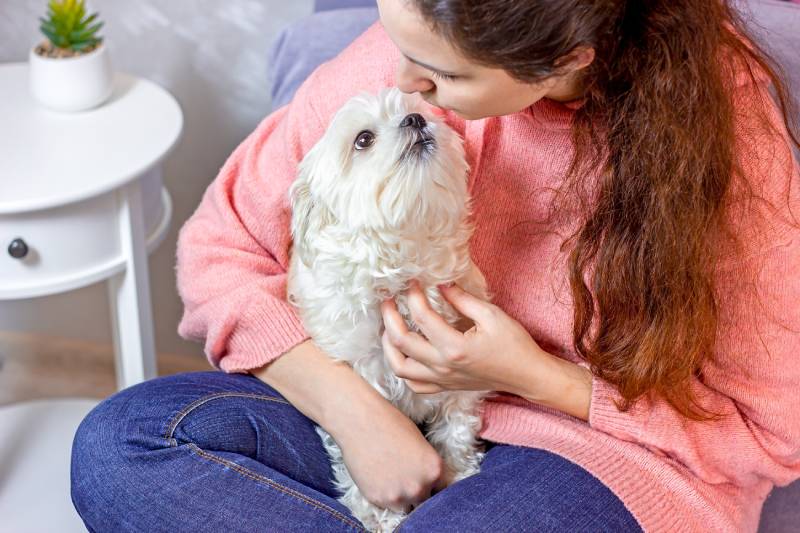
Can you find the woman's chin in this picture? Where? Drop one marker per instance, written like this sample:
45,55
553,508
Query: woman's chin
466,116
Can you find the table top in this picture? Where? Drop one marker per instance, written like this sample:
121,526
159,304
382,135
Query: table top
49,158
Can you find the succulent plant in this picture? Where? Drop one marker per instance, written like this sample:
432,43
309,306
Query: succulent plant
67,25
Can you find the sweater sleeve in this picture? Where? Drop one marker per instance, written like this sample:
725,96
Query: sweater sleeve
233,252
755,377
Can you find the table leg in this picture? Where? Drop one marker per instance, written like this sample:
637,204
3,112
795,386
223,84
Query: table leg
129,295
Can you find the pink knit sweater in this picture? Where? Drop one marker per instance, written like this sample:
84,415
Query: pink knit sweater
672,473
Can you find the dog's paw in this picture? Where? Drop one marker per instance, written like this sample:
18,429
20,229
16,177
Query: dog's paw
379,520
389,521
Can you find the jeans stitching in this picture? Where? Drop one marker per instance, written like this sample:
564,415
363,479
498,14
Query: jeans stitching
197,403
241,469
274,484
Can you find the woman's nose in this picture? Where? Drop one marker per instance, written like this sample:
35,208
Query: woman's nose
409,78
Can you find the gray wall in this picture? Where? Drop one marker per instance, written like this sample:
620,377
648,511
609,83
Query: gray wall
211,54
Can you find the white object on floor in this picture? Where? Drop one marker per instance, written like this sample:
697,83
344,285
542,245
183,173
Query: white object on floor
82,200
35,446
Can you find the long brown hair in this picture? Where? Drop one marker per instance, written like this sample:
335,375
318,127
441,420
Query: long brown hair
658,127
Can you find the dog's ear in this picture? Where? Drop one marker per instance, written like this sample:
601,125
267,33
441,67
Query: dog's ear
309,217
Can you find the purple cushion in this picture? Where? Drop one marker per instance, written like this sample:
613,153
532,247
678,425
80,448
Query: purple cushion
326,5
777,23
781,513
309,42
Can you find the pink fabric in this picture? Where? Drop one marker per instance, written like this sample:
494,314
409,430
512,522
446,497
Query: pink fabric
673,474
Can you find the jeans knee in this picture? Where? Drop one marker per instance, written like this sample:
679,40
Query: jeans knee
87,462
124,427
113,433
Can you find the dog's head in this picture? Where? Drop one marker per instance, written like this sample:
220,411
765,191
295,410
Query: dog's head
385,162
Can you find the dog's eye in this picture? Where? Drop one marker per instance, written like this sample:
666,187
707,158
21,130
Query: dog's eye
364,140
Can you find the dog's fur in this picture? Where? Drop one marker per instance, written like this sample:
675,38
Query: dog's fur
364,223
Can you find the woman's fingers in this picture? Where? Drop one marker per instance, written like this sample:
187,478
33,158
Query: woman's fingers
410,343
419,377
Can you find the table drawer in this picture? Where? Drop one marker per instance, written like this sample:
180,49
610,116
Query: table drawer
74,245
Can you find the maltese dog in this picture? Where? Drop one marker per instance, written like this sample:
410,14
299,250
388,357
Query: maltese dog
380,200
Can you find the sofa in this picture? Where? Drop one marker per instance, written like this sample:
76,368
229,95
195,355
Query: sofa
335,23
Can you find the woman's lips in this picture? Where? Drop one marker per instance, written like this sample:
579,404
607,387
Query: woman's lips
435,109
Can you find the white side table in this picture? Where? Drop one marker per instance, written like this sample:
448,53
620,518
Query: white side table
82,200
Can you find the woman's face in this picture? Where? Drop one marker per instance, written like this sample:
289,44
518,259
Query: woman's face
444,78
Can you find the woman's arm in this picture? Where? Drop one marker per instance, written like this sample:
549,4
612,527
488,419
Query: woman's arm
567,386
325,390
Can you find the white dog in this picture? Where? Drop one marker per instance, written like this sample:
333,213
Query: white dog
382,199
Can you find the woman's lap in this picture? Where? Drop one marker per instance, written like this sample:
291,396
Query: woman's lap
209,451
189,452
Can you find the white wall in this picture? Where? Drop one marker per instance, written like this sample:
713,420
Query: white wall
211,54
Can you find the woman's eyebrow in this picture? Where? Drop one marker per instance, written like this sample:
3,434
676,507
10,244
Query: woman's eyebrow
429,67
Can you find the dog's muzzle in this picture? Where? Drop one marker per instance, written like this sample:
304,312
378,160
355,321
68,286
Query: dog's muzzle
423,141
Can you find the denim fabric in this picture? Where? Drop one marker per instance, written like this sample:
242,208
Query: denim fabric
215,452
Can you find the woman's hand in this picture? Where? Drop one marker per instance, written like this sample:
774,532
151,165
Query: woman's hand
496,354
394,467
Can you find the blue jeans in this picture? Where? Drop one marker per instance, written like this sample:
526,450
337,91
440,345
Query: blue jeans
215,452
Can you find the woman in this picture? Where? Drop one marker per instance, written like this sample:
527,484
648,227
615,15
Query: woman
631,180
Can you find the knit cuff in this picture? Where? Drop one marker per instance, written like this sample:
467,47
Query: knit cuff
606,417
262,334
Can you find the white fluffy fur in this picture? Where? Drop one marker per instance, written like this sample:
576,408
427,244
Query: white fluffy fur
364,223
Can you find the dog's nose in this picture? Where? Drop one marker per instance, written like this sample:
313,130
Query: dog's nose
415,120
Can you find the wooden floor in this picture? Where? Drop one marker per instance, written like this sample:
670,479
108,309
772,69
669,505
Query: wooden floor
36,366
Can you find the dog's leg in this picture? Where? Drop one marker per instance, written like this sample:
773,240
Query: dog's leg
371,516
454,437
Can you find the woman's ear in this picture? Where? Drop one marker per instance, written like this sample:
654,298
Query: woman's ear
579,58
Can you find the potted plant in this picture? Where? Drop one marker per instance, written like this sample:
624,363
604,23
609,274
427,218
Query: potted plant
70,70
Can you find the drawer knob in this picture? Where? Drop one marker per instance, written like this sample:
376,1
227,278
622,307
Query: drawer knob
18,249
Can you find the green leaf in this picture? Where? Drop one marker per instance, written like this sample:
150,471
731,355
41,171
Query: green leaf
95,28
68,23
47,31
55,7
82,46
50,35
83,35
78,37
47,24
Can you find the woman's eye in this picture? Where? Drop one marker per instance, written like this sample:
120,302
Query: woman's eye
364,140
440,76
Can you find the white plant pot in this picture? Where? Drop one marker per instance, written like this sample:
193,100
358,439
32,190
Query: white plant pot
71,83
